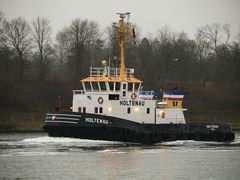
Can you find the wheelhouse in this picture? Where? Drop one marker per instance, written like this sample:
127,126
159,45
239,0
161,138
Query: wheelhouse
107,79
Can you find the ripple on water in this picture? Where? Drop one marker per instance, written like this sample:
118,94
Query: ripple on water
45,145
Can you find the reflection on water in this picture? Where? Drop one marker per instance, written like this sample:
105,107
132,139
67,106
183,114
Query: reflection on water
35,155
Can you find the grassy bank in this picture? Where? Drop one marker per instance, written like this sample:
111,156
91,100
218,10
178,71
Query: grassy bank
20,121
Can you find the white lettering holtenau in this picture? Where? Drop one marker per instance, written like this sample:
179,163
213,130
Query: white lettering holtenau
96,120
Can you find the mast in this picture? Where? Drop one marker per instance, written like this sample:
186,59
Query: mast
123,30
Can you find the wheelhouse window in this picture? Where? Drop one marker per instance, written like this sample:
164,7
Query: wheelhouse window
79,109
95,86
88,86
96,110
111,86
130,86
117,86
136,86
100,110
124,86
84,109
103,86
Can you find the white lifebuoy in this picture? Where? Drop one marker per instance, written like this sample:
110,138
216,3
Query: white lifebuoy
100,100
134,96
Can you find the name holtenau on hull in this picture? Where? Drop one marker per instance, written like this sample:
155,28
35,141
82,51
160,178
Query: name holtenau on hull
112,106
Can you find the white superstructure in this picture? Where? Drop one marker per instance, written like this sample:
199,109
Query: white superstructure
108,94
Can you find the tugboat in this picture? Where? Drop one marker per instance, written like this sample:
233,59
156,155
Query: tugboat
113,106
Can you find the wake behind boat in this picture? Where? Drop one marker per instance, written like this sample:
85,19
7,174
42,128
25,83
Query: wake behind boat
113,106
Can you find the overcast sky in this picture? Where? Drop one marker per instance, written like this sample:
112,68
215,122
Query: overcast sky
149,15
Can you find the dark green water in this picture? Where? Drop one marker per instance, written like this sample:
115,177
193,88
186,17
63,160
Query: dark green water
37,156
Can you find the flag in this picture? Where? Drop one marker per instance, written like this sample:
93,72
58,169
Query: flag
173,96
133,32
134,37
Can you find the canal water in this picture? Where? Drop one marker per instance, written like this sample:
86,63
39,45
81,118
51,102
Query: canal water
37,156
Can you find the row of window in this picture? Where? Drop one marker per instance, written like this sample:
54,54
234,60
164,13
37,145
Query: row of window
113,86
100,110
96,110
136,109
82,109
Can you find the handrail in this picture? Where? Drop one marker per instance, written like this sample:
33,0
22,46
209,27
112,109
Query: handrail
110,72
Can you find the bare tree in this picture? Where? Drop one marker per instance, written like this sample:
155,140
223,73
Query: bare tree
83,34
238,38
63,50
41,32
213,35
63,45
226,29
4,61
202,51
17,38
145,53
1,29
202,48
76,45
165,39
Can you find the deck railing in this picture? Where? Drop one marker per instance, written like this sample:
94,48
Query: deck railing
110,72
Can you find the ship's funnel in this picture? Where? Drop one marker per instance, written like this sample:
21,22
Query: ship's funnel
173,99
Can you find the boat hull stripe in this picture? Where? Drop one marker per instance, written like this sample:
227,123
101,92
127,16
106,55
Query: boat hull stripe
73,119
61,122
